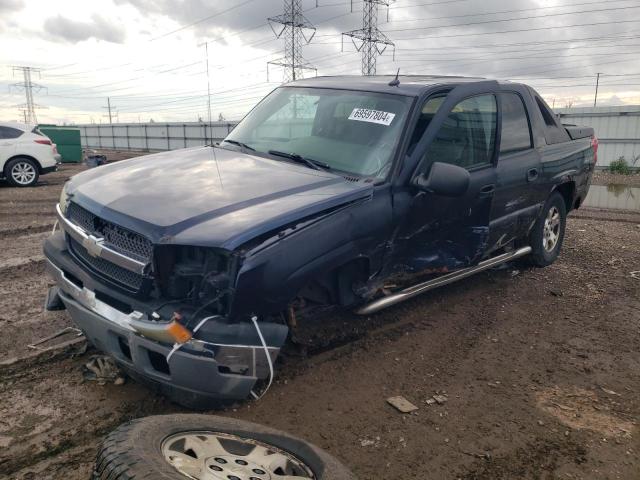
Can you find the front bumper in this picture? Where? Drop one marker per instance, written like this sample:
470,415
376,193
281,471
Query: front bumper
199,375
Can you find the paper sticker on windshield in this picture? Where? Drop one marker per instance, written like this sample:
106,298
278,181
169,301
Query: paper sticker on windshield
372,116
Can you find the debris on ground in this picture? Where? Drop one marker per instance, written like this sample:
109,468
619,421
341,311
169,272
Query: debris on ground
365,442
440,399
635,274
610,392
103,369
402,404
64,331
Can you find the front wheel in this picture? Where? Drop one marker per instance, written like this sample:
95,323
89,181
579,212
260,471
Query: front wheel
210,448
548,232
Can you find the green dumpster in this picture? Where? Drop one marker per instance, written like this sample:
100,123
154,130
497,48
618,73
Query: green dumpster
67,140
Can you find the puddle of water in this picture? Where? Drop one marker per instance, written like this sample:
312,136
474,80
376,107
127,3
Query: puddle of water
614,197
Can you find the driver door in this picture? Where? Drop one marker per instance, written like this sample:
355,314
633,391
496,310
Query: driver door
436,233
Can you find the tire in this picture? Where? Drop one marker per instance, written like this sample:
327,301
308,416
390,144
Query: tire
548,232
143,449
22,172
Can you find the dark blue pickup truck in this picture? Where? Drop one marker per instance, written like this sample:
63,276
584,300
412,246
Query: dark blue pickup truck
191,268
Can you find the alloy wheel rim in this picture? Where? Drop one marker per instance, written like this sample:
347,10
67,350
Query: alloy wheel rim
551,230
23,173
222,456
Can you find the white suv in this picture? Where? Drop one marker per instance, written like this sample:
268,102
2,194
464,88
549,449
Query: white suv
25,154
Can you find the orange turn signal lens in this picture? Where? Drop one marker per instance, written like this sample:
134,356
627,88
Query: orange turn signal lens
179,332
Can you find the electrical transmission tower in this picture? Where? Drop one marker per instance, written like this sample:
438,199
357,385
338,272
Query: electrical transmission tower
372,41
29,108
295,29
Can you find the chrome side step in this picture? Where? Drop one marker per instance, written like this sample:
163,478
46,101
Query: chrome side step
446,279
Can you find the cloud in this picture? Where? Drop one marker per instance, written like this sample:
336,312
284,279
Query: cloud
210,18
72,31
8,6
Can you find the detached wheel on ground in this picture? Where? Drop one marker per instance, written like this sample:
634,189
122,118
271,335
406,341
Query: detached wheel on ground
548,232
210,447
22,172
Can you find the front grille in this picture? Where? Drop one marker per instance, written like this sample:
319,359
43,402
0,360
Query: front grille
122,276
124,241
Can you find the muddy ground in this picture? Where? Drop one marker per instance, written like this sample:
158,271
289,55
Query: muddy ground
540,369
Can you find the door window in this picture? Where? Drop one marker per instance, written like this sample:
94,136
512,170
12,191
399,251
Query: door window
429,110
516,133
467,136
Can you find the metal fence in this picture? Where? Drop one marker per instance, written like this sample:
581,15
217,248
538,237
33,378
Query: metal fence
153,136
617,129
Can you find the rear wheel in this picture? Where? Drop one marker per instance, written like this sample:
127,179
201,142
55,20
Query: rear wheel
22,172
212,448
548,232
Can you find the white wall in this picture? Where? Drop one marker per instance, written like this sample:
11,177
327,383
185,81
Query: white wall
617,129
152,136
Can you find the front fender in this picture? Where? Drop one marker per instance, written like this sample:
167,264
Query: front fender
271,277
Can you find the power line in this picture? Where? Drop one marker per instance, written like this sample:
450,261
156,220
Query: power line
197,22
520,30
500,12
531,17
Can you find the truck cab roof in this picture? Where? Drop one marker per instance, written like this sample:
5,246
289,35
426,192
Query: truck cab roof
410,85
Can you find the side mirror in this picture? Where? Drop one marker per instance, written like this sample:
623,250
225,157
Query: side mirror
444,179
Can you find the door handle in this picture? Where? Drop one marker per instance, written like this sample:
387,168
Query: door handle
532,174
487,190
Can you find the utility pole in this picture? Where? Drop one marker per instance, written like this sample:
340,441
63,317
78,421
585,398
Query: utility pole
206,54
595,100
108,107
295,28
28,86
372,41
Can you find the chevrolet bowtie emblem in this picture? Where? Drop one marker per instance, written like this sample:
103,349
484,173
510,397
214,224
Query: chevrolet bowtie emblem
93,245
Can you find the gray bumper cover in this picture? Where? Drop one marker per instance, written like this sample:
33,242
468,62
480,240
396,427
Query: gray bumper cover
199,380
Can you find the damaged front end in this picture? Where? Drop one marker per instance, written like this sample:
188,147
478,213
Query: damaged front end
162,311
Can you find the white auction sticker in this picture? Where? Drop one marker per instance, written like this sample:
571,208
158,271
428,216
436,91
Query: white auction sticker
372,116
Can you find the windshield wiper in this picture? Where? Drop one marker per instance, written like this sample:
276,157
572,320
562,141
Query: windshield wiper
315,164
240,144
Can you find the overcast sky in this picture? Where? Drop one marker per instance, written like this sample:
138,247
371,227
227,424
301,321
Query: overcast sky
147,55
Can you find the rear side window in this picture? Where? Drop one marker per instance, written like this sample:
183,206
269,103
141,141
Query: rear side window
467,136
8,132
516,132
546,113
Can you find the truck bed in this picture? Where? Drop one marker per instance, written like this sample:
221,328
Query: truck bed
578,131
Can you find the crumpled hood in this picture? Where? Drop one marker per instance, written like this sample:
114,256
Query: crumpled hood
209,196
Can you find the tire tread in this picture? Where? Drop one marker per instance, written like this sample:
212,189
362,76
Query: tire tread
131,451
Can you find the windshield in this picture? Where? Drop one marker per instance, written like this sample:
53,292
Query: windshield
348,131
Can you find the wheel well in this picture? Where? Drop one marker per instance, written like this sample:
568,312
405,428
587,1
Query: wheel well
567,191
336,285
6,172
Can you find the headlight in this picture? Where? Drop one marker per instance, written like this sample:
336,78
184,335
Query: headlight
64,199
